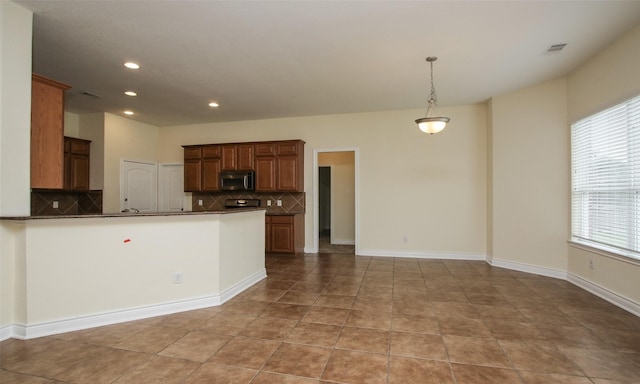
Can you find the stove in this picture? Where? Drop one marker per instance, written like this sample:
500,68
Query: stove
241,203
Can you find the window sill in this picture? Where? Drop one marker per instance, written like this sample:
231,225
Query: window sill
613,253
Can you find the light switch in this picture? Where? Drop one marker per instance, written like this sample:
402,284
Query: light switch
279,203
268,203
55,204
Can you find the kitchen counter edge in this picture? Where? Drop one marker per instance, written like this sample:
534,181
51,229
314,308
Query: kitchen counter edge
143,214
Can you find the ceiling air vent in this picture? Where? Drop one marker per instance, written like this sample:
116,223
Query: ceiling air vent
87,93
555,48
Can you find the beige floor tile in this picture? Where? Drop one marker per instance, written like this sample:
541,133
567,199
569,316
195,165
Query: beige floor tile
539,357
298,360
226,324
326,315
403,370
402,322
604,364
268,328
474,374
334,301
323,335
552,378
245,352
196,346
369,319
160,370
477,351
285,311
275,378
356,367
364,339
418,345
151,339
220,374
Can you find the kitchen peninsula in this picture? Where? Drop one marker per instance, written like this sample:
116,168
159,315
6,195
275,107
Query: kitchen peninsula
76,272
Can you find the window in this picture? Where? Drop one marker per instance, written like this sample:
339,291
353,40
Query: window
605,183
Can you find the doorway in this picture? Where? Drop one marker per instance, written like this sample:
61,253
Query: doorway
138,186
335,202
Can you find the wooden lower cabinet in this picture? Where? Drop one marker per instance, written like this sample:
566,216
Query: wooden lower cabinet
284,234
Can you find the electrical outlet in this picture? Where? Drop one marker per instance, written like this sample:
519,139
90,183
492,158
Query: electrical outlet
279,203
199,202
55,204
591,264
177,278
268,203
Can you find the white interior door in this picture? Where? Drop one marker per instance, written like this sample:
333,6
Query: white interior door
171,188
139,186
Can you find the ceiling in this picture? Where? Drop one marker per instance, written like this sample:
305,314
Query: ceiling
269,59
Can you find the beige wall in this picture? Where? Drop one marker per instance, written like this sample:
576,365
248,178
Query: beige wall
530,179
121,268
343,226
15,105
124,139
439,180
608,78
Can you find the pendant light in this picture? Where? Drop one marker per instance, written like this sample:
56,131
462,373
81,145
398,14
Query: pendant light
429,124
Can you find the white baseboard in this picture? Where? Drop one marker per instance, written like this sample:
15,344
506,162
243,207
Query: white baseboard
606,294
21,331
6,332
522,267
420,255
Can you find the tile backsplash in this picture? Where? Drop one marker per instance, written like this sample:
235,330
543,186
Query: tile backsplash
68,202
292,202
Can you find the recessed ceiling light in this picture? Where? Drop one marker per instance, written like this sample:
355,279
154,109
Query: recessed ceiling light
131,65
131,93
128,113
213,104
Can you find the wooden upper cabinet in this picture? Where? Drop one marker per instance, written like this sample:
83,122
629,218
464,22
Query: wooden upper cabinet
279,165
47,133
265,149
237,157
76,163
265,174
229,153
245,157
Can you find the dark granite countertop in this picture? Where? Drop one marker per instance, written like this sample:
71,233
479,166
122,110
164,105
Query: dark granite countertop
141,214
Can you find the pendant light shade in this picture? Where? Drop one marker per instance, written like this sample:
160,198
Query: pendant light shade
430,124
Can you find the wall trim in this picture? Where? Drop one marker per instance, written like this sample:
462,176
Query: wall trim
29,331
523,267
421,255
606,294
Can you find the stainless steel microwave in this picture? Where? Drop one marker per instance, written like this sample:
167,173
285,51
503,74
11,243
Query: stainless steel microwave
237,180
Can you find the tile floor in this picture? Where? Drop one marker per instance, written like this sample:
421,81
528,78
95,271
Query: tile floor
346,319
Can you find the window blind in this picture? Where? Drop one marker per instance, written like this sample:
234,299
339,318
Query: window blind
605,183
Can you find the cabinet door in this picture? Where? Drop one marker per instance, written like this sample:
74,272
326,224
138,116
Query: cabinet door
282,234
192,175
211,174
210,151
287,177
229,154
265,174
244,157
192,152
79,170
47,131
265,149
